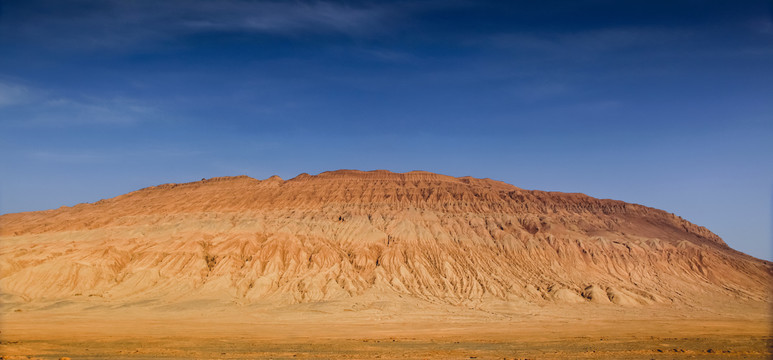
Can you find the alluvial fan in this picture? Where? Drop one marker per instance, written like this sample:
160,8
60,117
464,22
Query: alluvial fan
345,233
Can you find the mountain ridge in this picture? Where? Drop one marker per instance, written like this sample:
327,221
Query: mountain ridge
347,233
599,204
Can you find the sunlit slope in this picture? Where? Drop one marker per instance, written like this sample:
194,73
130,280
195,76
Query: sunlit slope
346,233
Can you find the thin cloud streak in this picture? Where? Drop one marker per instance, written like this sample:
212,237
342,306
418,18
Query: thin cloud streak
93,111
115,156
283,17
122,24
589,43
13,94
24,106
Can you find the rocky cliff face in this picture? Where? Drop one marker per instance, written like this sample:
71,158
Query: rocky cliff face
345,233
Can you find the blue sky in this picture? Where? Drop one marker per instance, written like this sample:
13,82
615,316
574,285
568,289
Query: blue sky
663,103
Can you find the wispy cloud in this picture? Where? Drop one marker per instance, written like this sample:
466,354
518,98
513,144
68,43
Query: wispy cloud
388,55
91,111
90,156
22,105
119,24
13,94
281,17
762,25
589,43
533,91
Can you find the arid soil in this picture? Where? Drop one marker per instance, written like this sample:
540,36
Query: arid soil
351,264
586,334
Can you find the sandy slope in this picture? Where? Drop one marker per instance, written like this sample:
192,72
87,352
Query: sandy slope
354,248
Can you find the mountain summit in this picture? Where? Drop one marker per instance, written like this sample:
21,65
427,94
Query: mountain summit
347,234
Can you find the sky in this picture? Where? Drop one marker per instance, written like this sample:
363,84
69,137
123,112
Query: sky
667,104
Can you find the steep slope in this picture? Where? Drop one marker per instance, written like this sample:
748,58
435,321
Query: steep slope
347,233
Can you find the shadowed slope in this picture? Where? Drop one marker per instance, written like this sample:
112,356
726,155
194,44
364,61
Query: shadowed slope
348,233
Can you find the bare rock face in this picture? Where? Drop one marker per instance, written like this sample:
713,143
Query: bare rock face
345,233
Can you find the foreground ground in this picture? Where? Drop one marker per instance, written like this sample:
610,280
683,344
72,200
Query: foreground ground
304,333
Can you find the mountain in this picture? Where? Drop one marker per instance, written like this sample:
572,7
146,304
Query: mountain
350,234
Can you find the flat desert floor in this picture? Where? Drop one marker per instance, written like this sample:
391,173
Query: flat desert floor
309,332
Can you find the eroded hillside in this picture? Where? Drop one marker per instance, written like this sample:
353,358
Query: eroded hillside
345,233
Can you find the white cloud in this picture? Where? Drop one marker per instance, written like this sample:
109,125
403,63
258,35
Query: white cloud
590,43
29,106
101,155
122,24
762,26
13,94
281,17
92,111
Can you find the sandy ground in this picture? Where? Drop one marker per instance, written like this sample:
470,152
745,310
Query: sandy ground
651,333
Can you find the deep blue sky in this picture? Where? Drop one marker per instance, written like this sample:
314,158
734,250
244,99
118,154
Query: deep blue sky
663,103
